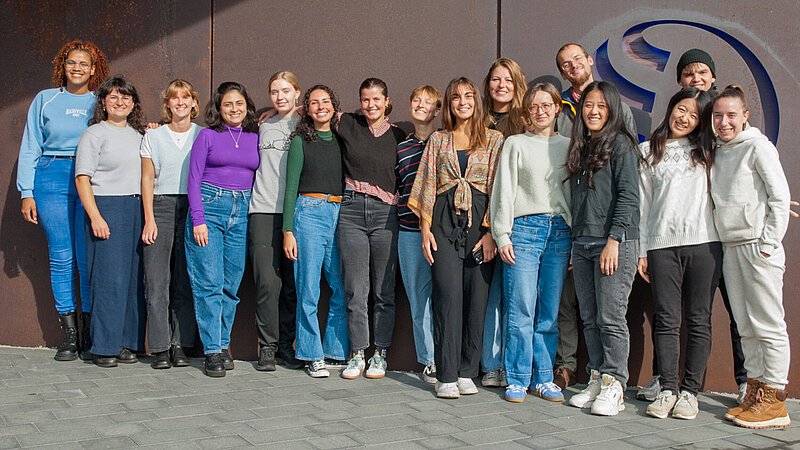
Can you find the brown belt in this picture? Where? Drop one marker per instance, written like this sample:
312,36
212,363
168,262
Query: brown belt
327,197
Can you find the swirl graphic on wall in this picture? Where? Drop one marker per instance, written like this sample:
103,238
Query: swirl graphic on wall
639,49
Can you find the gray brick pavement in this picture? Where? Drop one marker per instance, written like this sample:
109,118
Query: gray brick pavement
49,404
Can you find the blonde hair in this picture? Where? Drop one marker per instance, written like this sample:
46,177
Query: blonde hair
175,86
431,91
513,122
284,75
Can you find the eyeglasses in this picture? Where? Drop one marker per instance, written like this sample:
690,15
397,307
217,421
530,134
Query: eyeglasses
579,59
544,107
82,64
115,98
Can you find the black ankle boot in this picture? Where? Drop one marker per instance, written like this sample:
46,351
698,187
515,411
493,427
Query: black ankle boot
68,351
86,337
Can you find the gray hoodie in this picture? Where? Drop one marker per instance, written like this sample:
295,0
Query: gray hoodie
750,192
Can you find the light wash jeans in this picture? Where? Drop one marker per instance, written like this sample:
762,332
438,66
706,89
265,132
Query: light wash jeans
61,216
216,270
532,290
315,223
417,279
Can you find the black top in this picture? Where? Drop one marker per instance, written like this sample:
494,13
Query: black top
368,158
322,167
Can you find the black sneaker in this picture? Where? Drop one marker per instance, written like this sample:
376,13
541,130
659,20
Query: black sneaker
214,367
266,358
286,357
126,356
179,358
227,361
161,360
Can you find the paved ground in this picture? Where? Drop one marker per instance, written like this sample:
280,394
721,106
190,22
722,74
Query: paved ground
77,405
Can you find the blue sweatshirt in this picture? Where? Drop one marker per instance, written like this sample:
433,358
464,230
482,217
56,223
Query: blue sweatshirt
56,120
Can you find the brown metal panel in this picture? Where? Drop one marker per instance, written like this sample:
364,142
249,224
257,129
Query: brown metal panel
325,42
532,32
149,42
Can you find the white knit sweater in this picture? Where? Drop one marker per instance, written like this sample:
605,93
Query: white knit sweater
675,202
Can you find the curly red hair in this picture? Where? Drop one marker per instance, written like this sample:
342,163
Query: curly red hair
98,60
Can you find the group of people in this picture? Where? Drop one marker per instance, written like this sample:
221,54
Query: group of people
155,225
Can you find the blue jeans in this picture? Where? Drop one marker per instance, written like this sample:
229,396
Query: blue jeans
532,290
216,270
115,274
315,223
417,279
603,302
61,216
494,326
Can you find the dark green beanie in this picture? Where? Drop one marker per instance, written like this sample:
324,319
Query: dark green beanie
695,55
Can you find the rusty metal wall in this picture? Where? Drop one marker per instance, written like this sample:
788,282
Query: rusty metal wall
340,44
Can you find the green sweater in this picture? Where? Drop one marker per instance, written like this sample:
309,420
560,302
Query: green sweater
529,180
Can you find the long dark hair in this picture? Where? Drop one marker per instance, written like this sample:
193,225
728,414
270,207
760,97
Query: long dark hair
213,116
700,137
590,153
305,127
478,123
124,87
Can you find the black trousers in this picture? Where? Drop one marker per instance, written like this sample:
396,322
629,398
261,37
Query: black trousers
683,280
460,289
276,300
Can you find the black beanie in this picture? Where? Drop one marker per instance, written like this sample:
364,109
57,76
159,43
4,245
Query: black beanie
695,55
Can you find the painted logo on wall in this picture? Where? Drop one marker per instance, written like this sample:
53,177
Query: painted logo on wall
637,48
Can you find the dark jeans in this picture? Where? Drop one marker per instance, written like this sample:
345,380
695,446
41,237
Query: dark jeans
683,280
739,372
170,307
460,293
115,265
367,237
603,302
566,355
276,299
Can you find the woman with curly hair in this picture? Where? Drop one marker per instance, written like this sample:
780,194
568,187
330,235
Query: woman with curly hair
108,178
222,165
314,183
604,180
503,91
45,171
165,172
451,197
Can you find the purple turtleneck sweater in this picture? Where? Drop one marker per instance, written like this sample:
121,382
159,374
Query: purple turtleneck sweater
216,160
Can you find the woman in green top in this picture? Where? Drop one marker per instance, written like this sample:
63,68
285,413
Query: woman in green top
311,205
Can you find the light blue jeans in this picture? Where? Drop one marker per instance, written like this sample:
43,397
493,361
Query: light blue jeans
215,271
417,279
532,290
494,326
61,215
315,223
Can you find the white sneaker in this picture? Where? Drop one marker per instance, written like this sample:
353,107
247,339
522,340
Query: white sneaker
491,379
742,393
609,401
584,398
355,367
428,374
317,369
662,405
447,390
686,407
650,390
377,366
466,386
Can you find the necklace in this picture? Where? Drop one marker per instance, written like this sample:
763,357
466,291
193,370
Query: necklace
235,139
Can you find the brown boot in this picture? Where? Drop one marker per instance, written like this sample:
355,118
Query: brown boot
749,399
563,377
769,410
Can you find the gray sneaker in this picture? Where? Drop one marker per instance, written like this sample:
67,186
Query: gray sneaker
491,379
686,407
662,405
355,367
650,390
377,366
